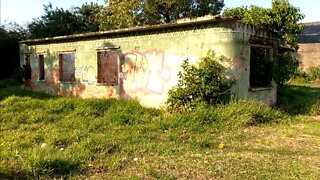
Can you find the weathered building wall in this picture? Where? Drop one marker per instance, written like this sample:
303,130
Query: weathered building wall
148,61
309,55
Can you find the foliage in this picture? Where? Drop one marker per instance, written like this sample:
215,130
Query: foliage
9,52
49,137
17,31
285,67
285,20
159,11
206,83
311,76
122,14
282,18
313,73
23,73
58,22
88,14
254,15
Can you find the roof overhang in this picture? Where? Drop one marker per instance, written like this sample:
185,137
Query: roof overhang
179,23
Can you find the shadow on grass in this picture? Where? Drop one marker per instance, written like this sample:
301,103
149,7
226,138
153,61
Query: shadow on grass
13,175
46,170
299,100
18,91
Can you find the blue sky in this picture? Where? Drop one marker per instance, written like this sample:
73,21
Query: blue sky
22,11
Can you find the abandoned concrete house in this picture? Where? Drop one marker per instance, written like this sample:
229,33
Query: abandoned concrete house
143,62
309,46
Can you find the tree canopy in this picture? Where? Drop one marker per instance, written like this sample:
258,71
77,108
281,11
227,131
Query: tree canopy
57,21
121,14
282,18
9,51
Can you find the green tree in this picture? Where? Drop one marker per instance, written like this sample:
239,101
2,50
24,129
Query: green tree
88,15
121,14
58,22
9,52
285,67
282,18
164,11
55,22
204,7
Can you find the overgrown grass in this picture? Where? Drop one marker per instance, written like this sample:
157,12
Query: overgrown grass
45,136
299,99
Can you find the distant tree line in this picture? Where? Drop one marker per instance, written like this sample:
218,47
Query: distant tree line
117,14
90,17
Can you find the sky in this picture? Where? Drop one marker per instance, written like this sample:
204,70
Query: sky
23,11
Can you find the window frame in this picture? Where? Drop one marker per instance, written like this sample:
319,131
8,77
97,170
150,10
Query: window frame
27,59
42,74
60,64
255,87
117,80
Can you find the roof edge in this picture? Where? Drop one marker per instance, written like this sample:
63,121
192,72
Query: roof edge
178,23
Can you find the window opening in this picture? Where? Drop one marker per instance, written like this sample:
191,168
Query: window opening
27,67
67,67
41,67
261,67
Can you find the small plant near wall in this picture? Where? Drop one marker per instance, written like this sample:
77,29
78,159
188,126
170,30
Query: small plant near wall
23,73
208,82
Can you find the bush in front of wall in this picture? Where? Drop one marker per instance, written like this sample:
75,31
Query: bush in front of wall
206,83
23,73
285,67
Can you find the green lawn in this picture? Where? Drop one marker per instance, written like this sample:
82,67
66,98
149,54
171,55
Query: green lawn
43,136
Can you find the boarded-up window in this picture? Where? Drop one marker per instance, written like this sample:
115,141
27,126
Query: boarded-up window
41,67
108,67
261,67
67,67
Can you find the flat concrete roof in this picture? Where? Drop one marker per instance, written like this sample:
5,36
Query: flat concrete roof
178,23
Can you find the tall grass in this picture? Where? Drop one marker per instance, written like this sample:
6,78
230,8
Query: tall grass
45,136
299,99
